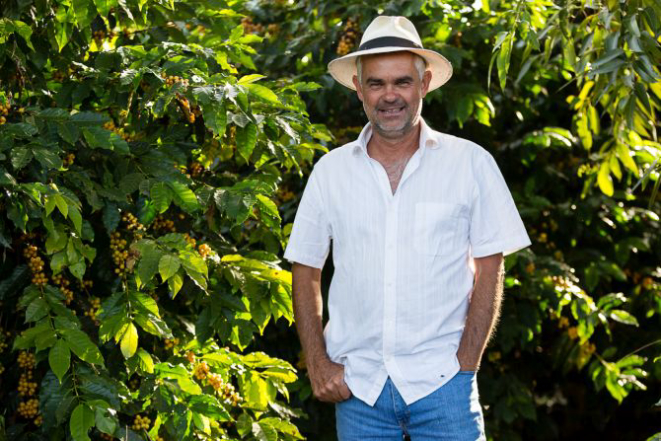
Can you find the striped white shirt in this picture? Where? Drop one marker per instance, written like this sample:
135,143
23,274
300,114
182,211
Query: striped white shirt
403,275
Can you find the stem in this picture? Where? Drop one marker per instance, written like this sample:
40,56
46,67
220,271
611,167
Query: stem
641,348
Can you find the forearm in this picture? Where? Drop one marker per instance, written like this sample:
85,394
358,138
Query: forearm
308,310
483,311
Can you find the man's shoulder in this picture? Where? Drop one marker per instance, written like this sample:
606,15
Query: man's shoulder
460,147
336,157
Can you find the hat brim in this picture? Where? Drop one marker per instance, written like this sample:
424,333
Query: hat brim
343,69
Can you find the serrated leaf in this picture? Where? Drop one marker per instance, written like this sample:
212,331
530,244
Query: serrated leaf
59,359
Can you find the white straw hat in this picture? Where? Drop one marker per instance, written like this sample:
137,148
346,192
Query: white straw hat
391,34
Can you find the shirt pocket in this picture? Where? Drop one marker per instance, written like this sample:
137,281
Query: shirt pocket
436,226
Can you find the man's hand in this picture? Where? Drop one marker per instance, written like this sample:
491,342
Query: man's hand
328,382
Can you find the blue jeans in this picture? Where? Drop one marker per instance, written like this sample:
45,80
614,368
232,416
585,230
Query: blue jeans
450,413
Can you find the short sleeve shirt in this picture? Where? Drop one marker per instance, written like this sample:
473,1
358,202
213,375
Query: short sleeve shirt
403,276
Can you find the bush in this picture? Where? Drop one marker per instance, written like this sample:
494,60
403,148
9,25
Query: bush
141,163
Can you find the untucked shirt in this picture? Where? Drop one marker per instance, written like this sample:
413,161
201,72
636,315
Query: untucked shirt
403,276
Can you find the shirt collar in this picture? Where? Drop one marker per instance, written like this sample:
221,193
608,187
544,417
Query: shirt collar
427,138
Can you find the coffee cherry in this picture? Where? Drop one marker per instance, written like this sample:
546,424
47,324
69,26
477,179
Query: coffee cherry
349,37
251,28
204,250
141,423
29,409
26,360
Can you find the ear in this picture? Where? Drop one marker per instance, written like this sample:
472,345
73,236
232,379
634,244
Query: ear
426,80
357,85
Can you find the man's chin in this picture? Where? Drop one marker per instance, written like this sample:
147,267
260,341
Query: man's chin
391,130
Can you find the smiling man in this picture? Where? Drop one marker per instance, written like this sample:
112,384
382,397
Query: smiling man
419,222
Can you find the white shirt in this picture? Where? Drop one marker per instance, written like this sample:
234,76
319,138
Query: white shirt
403,276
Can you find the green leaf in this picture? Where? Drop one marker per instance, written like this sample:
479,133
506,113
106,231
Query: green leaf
175,283
104,6
81,345
61,204
150,256
161,196
97,137
503,59
263,93
20,157
247,79
68,132
624,317
62,34
129,340
82,420
105,422
76,218
59,359
254,390
111,217
145,360
168,266
25,31
37,310
246,139
264,432
131,182
193,261
47,158
604,179
6,178
184,196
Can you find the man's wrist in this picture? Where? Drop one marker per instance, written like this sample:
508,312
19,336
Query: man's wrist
318,363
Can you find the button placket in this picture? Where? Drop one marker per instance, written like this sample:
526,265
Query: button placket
390,283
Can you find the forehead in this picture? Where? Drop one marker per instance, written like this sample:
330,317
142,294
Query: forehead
390,64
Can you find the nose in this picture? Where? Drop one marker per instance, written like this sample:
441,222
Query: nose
390,93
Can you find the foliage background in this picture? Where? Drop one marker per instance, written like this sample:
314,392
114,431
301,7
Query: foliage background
166,117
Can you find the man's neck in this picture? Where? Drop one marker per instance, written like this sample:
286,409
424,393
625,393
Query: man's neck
389,150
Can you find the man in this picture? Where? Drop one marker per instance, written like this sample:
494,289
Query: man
419,223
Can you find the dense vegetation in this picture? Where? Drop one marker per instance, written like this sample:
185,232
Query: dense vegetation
151,158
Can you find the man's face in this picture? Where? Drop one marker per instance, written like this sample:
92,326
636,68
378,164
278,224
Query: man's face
391,92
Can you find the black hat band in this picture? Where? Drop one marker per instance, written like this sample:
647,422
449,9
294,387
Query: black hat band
388,42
